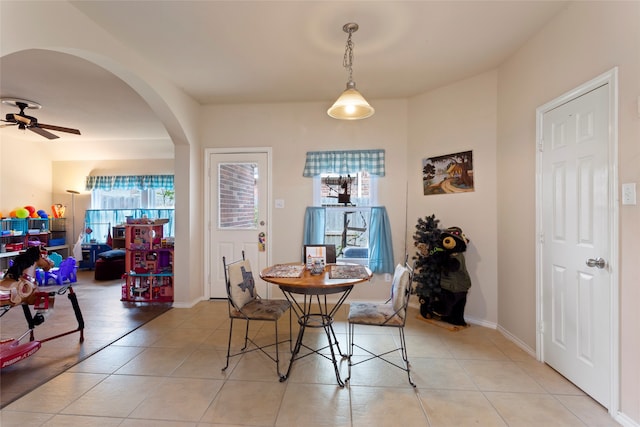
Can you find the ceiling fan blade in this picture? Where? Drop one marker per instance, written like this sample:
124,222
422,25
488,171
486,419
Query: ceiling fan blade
42,132
58,128
8,123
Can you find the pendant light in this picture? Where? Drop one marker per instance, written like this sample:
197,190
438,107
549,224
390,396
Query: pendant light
351,105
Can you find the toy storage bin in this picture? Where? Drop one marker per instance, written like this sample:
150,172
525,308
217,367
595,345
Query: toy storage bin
39,224
13,247
37,240
57,224
17,225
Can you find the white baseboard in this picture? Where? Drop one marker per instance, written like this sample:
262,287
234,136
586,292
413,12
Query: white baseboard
625,420
188,304
517,341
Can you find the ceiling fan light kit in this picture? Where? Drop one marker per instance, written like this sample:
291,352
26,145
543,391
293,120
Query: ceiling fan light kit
24,121
351,105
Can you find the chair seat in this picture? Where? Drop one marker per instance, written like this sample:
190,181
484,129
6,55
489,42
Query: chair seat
366,313
259,309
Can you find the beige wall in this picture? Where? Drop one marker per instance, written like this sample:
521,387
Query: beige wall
584,41
25,175
460,117
292,130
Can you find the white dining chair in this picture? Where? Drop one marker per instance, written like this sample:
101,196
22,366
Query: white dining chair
245,304
390,314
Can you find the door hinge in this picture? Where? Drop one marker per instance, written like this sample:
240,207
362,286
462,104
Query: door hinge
541,145
541,327
541,238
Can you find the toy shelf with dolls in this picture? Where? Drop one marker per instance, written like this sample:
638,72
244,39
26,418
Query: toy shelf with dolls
148,262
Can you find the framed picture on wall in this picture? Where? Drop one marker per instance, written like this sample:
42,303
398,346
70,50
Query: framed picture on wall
448,174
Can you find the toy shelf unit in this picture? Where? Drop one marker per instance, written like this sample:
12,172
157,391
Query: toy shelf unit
17,234
58,229
148,264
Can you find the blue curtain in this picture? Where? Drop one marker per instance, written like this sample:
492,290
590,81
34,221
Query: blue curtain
100,220
129,182
314,221
344,162
380,244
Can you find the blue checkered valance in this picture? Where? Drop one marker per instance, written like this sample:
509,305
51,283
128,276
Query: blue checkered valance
344,162
129,182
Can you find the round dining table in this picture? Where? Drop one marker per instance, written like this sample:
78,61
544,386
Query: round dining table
308,293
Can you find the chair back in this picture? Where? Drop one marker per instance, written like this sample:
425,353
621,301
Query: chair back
239,282
401,289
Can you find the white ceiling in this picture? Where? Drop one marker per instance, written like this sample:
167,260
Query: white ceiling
266,51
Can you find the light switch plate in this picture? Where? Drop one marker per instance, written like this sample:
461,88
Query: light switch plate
279,203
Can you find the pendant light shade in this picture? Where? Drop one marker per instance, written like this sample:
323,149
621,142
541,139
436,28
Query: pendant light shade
351,105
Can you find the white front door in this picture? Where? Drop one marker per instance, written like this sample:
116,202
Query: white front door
576,248
238,194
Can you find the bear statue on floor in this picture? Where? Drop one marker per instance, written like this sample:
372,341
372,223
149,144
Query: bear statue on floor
454,278
445,257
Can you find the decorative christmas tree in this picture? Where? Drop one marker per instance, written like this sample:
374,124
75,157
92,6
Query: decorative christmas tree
427,262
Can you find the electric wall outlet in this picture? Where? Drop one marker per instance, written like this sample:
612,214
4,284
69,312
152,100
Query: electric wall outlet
279,203
629,193
387,277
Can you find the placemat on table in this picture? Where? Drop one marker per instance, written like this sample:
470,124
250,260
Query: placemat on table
284,271
348,272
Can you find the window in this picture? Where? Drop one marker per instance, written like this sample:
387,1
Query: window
348,200
113,198
361,187
363,227
238,196
132,199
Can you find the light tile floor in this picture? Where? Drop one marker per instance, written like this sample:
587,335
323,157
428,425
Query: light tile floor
168,373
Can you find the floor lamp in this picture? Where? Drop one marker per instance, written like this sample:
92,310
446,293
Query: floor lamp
73,212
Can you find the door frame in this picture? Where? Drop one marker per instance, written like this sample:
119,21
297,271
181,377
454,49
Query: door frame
611,78
207,203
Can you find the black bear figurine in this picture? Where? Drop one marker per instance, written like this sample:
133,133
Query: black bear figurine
455,282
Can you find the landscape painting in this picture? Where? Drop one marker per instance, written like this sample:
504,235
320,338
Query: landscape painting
448,174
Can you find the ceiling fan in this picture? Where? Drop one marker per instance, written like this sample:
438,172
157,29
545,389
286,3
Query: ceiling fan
24,121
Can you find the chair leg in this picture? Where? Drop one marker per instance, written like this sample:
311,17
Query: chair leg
281,376
229,345
405,357
349,350
246,336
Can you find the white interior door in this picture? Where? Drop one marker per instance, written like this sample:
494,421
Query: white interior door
576,249
238,215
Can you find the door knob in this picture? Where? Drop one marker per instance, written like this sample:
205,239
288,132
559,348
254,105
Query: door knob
597,262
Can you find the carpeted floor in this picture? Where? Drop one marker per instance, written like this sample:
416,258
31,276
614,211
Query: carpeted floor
106,320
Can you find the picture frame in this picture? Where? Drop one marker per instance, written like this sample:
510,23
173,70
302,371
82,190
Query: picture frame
325,253
448,174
